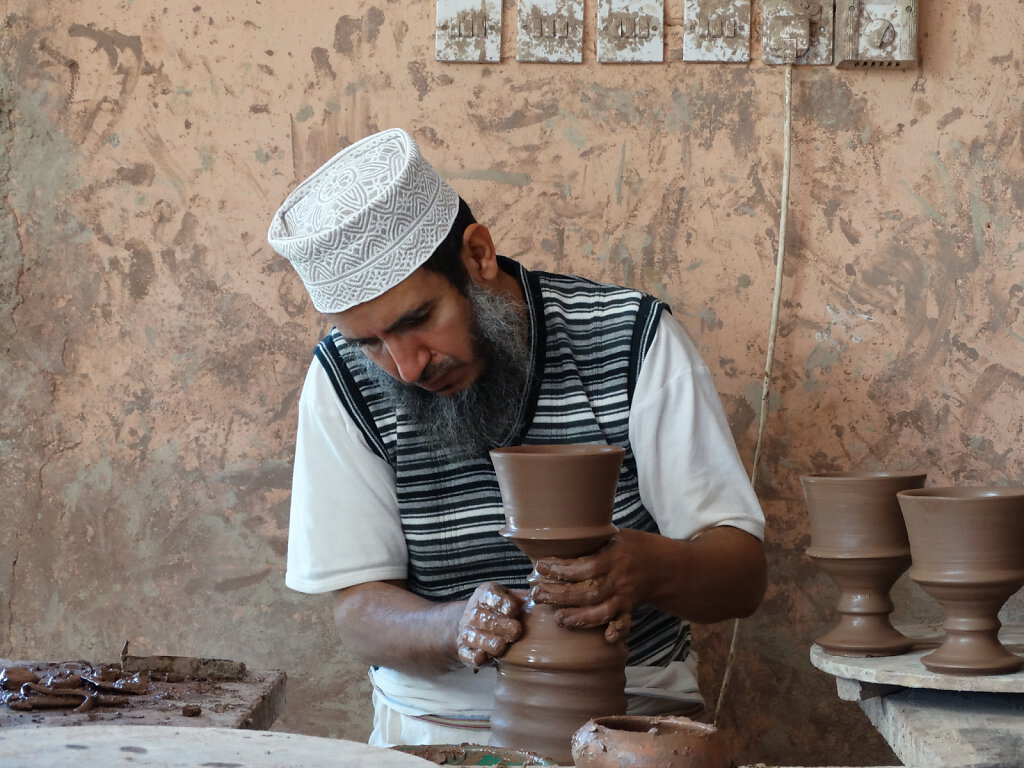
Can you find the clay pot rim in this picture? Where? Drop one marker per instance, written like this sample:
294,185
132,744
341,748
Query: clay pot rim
562,450
861,476
961,492
644,723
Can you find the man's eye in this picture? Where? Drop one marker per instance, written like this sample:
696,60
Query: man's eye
415,321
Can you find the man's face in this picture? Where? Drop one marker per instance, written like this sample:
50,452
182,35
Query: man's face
456,366
419,332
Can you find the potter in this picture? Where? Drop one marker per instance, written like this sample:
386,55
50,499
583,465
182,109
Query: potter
442,350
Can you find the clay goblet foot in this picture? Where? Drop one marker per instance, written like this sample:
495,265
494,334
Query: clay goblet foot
864,605
971,645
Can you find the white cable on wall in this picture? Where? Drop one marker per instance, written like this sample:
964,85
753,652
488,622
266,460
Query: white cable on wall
772,333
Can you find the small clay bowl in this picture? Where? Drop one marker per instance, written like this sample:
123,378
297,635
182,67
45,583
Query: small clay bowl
638,741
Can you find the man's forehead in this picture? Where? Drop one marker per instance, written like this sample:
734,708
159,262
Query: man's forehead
416,293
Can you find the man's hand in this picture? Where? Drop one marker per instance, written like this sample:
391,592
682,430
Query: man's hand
593,591
489,623
717,575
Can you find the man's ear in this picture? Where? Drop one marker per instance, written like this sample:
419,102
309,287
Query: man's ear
478,254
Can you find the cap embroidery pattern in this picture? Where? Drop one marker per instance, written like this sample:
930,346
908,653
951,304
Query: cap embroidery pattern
364,221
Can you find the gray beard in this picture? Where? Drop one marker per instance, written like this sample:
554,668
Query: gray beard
490,411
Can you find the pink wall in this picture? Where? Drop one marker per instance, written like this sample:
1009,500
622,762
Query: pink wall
154,344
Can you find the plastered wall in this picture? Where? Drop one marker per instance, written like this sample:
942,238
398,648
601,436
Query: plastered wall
154,345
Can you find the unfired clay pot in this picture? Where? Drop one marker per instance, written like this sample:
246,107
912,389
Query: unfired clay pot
968,551
859,539
649,742
558,502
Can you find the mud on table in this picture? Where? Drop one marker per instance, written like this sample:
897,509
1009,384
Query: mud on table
173,690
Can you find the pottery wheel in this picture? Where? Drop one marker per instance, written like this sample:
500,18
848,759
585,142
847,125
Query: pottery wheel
907,671
121,746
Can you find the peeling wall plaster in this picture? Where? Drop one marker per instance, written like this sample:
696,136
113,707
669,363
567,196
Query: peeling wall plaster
154,344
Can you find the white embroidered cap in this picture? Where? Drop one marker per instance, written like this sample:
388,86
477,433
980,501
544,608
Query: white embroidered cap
364,221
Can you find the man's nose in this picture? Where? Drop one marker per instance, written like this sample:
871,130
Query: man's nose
410,358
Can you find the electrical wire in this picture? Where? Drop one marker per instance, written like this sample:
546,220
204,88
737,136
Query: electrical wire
770,353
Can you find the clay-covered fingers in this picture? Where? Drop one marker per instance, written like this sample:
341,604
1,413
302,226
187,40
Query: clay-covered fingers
618,628
488,624
571,593
607,612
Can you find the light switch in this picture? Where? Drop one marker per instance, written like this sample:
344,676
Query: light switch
876,33
716,30
468,30
797,31
550,30
630,31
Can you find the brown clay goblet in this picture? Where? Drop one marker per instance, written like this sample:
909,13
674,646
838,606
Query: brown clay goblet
859,539
558,502
968,551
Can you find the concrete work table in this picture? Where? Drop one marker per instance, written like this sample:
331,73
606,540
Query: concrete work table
254,701
933,719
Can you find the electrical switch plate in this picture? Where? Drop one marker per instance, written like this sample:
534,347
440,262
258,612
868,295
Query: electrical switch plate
876,33
797,31
550,30
468,30
630,31
716,30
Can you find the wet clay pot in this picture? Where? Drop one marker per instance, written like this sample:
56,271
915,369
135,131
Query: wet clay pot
859,539
968,551
558,502
649,742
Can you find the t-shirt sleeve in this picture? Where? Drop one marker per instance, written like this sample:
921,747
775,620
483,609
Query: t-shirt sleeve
690,473
344,527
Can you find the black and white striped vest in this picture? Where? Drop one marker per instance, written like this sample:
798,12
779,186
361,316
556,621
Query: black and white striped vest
588,341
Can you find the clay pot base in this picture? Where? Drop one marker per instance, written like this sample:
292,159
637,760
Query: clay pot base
649,742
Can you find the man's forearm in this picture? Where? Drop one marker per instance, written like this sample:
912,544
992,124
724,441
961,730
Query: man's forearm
385,625
719,575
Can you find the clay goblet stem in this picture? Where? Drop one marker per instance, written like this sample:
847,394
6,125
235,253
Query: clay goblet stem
864,605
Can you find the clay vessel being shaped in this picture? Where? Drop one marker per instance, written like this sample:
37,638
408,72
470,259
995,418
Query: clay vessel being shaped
637,741
968,550
859,539
558,502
